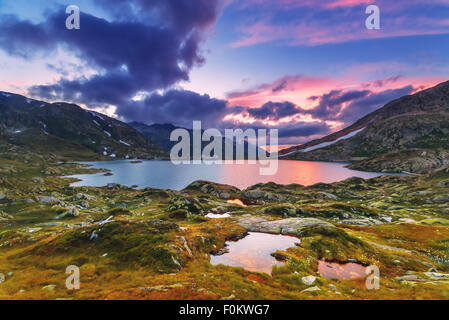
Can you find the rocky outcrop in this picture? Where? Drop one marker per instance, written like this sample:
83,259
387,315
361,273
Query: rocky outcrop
293,226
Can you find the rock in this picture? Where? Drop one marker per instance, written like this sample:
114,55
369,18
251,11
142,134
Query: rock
309,280
4,216
295,226
47,199
436,275
214,189
112,185
255,194
441,199
71,213
83,196
2,278
361,222
163,288
37,180
3,198
311,289
325,195
178,265
186,246
407,220
93,236
410,277
261,194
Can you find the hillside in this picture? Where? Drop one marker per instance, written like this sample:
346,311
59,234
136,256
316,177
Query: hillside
69,130
418,123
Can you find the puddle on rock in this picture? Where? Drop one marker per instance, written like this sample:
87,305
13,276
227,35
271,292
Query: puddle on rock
253,252
217,216
346,271
237,201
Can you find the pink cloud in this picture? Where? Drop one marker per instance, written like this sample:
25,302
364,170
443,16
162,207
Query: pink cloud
335,25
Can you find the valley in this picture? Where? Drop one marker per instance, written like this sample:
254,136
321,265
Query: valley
158,244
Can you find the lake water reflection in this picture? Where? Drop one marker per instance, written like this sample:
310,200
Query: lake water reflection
165,175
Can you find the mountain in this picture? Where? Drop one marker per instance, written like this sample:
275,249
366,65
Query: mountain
160,134
69,130
408,134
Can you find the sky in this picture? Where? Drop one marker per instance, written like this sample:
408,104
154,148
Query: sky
304,67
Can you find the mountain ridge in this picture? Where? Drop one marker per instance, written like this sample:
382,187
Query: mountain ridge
65,128
417,122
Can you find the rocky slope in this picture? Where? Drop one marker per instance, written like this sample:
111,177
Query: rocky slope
419,122
69,130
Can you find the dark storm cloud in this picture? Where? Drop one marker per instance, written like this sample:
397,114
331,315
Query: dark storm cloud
273,111
22,38
178,107
361,107
349,106
181,108
331,103
132,53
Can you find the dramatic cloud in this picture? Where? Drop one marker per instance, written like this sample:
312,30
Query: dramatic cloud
129,54
273,111
332,103
178,107
349,106
363,106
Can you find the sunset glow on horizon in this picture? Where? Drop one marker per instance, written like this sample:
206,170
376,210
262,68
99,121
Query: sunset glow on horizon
307,68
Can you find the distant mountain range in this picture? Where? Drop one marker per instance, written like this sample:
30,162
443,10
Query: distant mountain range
69,130
407,134
160,134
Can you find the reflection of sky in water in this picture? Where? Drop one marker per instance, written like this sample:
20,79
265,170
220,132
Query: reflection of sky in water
165,175
347,271
254,251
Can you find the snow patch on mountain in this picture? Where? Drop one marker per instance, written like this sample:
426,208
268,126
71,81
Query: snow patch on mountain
327,143
126,144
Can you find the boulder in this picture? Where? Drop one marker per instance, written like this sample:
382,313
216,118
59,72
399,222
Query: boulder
47,199
294,226
309,280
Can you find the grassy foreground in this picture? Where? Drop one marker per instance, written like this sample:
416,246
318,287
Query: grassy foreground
156,244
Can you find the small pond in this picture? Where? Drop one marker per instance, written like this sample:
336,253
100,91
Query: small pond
253,252
345,271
